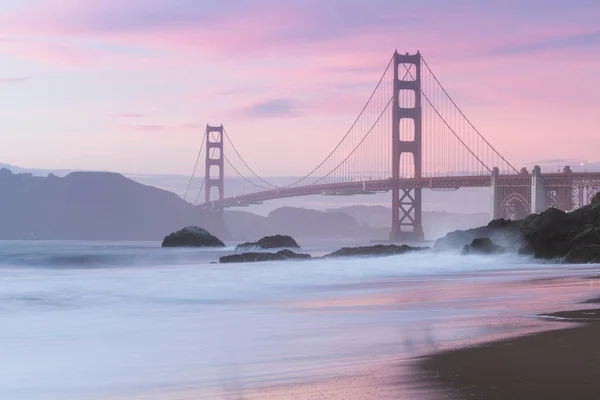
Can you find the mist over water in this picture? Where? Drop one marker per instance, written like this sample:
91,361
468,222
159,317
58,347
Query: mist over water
91,320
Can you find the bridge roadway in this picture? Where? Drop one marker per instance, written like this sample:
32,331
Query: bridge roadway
571,179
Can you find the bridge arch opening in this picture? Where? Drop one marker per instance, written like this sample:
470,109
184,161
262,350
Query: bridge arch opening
407,165
515,206
214,172
215,153
407,98
213,193
407,129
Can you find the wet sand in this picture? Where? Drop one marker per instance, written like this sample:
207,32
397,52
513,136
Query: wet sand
558,364
494,342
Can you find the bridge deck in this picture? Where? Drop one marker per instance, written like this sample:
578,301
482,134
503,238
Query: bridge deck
366,187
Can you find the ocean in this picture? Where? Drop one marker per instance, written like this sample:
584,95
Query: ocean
97,320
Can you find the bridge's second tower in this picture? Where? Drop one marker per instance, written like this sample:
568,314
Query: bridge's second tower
406,142
214,163
213,217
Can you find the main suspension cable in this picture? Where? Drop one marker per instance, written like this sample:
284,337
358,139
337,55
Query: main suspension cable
195,166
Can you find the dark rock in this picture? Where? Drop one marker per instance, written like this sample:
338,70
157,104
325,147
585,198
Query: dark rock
573,237
192,236
500,223
377,250
525,249
504,232
584,254
482,246
255,257
271,242
550,233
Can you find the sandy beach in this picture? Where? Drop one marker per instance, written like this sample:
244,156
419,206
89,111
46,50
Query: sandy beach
562,363
531,346
534,354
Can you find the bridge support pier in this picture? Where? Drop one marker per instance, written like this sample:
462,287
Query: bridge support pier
539,192
407,213
565,192
496,199
560,193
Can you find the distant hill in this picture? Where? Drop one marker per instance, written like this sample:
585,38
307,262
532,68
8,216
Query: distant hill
299,223
87,206
110,206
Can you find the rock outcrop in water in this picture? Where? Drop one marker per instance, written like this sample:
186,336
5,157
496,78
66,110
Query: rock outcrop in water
255,257
271,242
501,231
553,234
192,236
376,250
482,246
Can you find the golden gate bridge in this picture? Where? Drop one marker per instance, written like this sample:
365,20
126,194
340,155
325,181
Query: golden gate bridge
409,136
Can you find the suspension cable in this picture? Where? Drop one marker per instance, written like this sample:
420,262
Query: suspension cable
195,166
242,176
200,191
243,161
446,123
357,146
332,151
350,129
465,117
454,133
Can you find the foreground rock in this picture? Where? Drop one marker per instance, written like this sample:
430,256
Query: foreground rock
377,250
584,254
573,237
192,236
271,242
255,257
501,231
482,246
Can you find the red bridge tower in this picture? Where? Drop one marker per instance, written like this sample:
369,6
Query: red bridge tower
214,163
406,202
213,217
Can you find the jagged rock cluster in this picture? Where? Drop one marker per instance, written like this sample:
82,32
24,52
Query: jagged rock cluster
572,237
271,242
254,257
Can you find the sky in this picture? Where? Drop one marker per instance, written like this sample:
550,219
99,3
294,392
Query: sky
129,85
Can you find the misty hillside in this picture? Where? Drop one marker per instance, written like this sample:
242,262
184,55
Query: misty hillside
109,206
299,223
86,205
435,223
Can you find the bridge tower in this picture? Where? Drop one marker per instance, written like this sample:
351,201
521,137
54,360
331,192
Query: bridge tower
213,217
214,162
406,202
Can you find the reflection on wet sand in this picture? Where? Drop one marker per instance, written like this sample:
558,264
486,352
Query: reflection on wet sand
389,326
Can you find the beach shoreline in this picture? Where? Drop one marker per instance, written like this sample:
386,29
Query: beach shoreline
559,361
451,369
541,340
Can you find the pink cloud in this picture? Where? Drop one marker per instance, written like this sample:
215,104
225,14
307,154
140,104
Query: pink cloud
17,79
315,60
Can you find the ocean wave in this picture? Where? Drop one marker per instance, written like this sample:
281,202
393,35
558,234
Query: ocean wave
91,255
82,260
